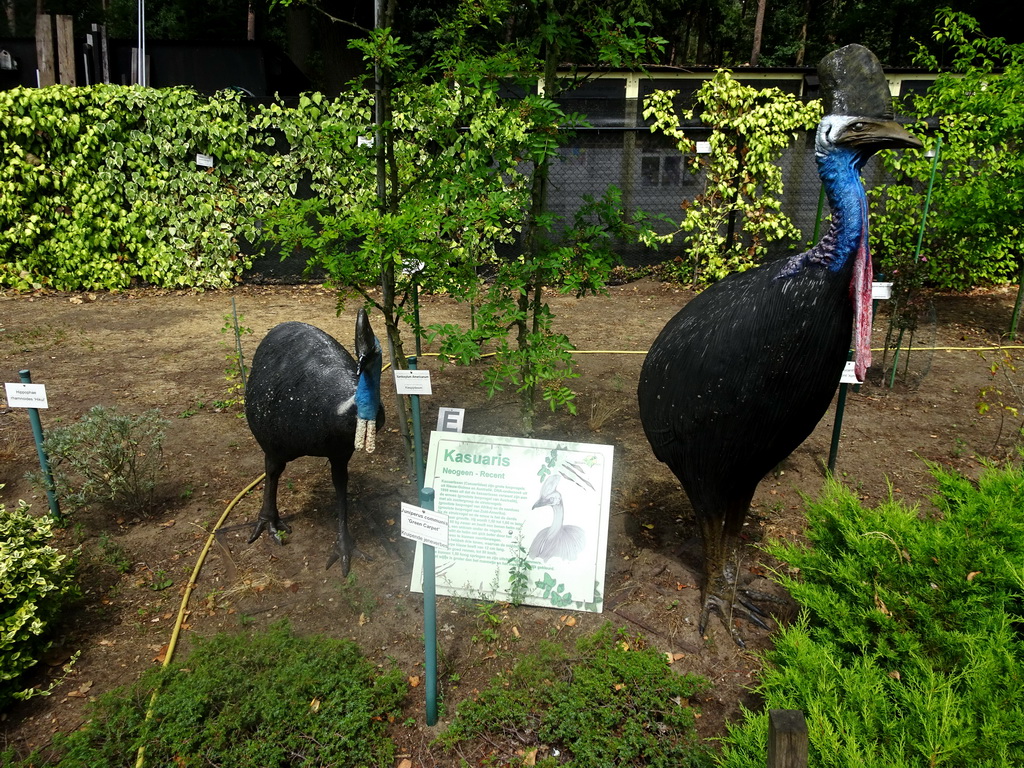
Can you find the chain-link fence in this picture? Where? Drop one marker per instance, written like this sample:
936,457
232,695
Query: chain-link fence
655,177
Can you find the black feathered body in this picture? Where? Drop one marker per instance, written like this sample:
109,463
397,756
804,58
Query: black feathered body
741,376
300,395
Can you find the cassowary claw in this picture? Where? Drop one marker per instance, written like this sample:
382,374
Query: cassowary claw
273,527
731,602
345,557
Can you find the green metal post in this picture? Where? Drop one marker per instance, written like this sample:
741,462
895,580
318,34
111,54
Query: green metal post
817,216
416,315
238,344
917,248
44,463
429,617
417,436
837,428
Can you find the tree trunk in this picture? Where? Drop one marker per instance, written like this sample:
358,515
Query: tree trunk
755,53
802,49
9,13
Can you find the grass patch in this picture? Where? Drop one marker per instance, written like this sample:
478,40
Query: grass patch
267,699
611,702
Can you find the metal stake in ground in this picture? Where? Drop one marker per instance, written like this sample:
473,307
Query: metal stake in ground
44,463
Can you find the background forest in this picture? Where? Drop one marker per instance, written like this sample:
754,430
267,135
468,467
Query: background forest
697,32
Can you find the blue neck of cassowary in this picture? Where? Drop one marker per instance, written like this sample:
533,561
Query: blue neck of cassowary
368,387
840,174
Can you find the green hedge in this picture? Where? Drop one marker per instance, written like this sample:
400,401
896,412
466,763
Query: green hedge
100,188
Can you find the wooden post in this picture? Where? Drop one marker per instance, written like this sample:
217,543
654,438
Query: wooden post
45,64
787,739
65,50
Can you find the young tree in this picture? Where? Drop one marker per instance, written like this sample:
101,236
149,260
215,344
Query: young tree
973,234
576,256
739,211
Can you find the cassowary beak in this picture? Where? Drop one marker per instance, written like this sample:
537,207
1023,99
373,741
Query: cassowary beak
874,135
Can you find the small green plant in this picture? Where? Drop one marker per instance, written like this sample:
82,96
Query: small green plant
107,457
519,573
114,554
610,702
235,372
489,621
192,410
248,699
161,581
36,582
356,596
1007,398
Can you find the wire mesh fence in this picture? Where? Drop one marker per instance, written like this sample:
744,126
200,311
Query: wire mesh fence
655,177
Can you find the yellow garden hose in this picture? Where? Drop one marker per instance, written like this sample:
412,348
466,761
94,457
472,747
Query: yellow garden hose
188,593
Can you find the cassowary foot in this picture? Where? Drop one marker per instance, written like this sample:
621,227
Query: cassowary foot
731,602
275,527
344,555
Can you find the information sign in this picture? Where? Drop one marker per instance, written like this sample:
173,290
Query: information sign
518,507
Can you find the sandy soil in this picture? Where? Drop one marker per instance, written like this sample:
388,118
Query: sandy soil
141,350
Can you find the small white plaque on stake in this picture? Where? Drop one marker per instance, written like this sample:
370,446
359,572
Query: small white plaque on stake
424,526
849,373
881,291
26,395
412,382
204,161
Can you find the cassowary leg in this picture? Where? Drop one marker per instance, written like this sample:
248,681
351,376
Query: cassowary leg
722,592
345,546
269,519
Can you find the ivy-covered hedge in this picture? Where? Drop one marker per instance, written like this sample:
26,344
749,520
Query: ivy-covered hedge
100,188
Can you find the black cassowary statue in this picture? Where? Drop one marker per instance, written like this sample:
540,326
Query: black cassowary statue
743,373
306,396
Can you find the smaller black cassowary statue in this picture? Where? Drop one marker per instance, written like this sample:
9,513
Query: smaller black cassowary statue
306,396
741,376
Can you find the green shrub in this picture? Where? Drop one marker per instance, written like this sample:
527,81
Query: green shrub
36,581
107,457
268,699
608,704
908,651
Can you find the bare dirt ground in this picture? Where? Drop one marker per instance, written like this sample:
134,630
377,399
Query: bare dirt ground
140,350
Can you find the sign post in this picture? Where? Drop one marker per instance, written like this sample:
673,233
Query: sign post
33,397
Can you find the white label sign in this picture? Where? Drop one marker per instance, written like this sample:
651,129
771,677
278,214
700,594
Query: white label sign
881,291
204,161
703,147
424,526
412,382
849,373
450,419
26,395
